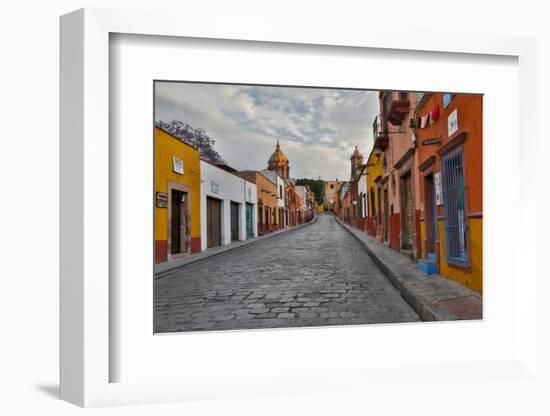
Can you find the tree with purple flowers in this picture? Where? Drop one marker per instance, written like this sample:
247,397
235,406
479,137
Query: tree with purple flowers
195,137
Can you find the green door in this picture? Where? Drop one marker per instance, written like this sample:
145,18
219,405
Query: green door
249,224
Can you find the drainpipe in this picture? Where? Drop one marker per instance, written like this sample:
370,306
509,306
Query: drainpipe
437,257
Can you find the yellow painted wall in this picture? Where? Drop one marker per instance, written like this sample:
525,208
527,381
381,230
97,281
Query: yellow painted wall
470,278
374,169
422,231
166,147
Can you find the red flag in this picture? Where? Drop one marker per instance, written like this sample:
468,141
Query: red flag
434,114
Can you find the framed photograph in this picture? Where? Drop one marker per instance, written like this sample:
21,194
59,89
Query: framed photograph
285,213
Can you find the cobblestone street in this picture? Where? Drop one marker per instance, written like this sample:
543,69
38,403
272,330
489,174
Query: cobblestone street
316,275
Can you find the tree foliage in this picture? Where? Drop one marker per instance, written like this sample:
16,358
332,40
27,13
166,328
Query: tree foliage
317,186
195,137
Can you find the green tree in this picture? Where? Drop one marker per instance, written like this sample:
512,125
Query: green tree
316,186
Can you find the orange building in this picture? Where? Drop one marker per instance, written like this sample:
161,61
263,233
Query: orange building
266,192
449,146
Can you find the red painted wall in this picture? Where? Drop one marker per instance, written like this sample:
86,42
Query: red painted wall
161,250
371,227
395,228
195,245
362,224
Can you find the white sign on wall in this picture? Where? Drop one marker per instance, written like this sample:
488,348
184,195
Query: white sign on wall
177,165
214,187
438,193
452,123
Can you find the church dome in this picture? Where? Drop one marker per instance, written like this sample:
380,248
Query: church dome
278,162
278,156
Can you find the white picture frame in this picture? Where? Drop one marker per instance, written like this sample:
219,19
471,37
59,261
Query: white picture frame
86,291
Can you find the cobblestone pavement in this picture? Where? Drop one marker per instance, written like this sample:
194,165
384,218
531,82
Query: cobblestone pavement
316,275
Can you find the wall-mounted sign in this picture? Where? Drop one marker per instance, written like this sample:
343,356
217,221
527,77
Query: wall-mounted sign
214,187
452,123
162,199
438,193
427,142
177,165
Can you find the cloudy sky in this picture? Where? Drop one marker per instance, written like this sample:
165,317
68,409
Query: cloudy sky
317,128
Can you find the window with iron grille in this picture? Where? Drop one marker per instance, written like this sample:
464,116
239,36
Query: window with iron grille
454,190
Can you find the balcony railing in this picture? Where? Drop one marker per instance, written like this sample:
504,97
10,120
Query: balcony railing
396,106
379,132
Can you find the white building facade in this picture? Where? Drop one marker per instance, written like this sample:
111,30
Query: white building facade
228,207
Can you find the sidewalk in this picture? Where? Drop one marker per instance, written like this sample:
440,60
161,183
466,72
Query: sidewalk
434,297
166,268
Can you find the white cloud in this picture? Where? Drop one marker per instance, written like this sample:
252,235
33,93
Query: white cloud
318,128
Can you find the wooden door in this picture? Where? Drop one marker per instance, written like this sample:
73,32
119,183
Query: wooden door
213,222
178,222
407,214
429,212
234,221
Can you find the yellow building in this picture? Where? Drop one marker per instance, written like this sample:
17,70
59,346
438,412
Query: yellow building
374,174
177,198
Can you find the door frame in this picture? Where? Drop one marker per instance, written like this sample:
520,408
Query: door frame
429,201
426,168
407,175
176,186
248,205
238,205
221,225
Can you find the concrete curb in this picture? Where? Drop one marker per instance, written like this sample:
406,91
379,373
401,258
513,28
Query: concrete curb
427,309
229,248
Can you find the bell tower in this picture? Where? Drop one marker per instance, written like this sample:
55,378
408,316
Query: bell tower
356,162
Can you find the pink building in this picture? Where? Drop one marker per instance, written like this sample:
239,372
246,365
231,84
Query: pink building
399,205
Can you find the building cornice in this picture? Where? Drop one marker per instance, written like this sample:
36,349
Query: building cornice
452,144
